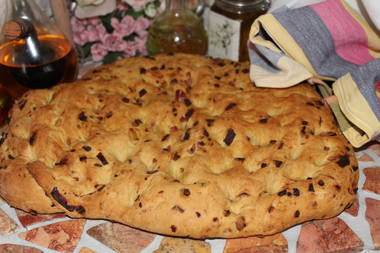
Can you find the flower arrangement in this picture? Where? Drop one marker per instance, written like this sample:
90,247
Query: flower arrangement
105,30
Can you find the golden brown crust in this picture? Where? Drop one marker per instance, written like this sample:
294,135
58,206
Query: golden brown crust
181,145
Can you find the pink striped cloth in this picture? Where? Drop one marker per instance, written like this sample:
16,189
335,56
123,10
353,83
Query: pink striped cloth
327,41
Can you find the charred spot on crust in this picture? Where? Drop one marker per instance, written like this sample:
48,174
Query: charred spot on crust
263,121
109,115
57,196
210,122
186,192
178,209
282,193
277,163
86,148
297,214
240,223
226,213
82,117
62,162
321,182
173,228
176,156
142,92
343,161
311,188
101,158
186,136
187,102
229,137
188,114
165,137
296,192
137,122
32,138
230,106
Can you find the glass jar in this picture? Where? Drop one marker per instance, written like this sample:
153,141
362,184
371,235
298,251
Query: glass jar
229,25
34,53
177,29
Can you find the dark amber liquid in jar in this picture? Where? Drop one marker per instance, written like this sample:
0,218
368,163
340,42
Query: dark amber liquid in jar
18,77
246,16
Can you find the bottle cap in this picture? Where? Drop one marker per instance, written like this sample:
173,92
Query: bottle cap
13,30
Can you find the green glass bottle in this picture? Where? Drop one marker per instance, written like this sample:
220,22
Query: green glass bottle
177,29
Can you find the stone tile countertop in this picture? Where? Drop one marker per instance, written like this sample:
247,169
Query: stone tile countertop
355,230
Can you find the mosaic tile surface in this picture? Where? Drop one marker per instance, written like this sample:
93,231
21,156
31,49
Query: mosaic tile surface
355,230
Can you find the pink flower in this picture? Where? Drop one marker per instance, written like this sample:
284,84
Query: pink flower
80,38
77,24
124,27
101,30
113,42
137,4
122,6
98,51
130,49
92,34
141,44
93,20
141,26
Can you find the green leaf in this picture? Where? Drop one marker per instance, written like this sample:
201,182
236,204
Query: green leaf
130,37
157,3
106,21
111,57
86,50
134,14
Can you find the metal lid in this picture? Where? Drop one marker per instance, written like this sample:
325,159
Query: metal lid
244,5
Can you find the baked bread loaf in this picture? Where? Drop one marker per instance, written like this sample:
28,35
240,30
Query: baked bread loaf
180,145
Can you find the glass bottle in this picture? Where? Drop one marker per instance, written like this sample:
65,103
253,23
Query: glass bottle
177,29
34,53
229,25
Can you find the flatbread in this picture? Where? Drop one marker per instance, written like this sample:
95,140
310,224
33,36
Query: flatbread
181,145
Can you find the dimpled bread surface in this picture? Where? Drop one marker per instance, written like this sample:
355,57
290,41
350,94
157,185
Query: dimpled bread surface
181,145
